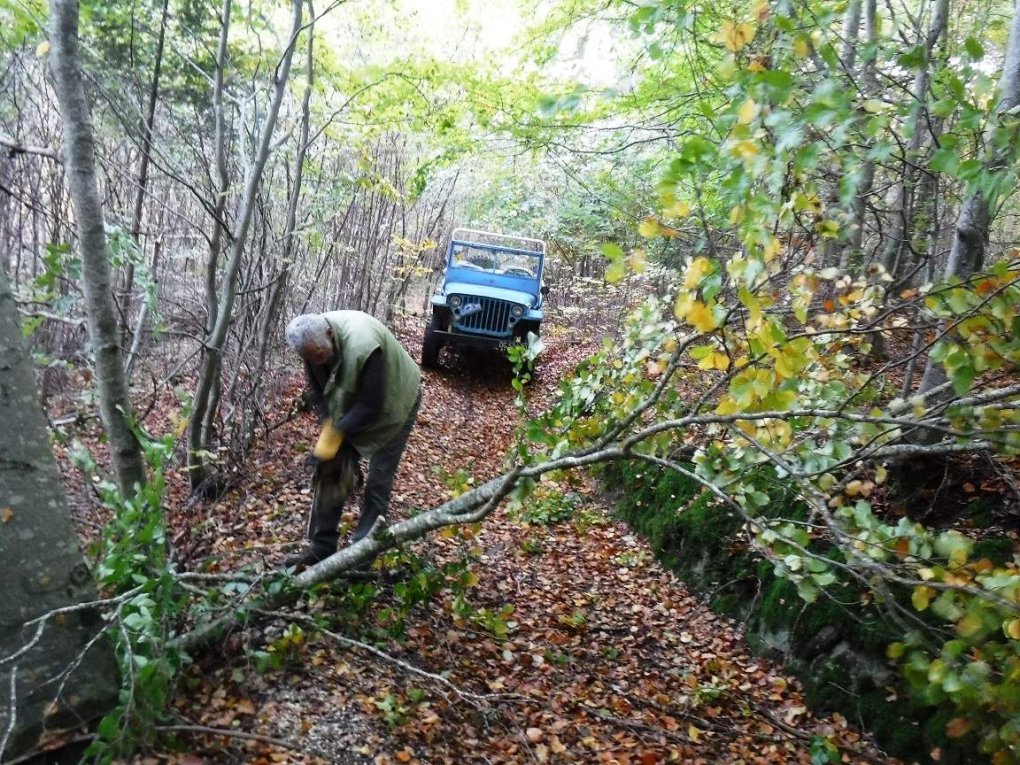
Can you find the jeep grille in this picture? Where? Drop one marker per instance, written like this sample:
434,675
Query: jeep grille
483,316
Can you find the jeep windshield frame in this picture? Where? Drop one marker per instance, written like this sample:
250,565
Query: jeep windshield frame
483,264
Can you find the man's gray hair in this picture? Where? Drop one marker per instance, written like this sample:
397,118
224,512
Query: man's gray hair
309,330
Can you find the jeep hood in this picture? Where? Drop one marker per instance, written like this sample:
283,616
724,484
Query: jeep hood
483,290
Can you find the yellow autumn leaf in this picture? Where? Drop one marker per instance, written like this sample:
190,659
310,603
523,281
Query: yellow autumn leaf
736,215
715,360
778,432
693,733
736,36
970,625
958,726
745,149
42,48
751,303
922,597
801,48
789,364
727,406
1012,629
638,261
615,271
772,249
696,271
682,304
677,210
701,317
649,227
747,112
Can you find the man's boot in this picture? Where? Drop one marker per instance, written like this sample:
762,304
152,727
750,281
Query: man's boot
302,559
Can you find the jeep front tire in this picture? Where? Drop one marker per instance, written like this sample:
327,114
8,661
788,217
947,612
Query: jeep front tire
431,345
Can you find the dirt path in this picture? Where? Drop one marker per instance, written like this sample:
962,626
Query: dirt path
606,658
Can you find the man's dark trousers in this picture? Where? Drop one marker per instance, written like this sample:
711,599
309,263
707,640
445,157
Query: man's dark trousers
329,493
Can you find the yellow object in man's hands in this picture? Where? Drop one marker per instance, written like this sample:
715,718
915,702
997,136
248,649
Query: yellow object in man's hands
329,442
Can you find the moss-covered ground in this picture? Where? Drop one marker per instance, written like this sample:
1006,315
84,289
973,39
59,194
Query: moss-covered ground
836,645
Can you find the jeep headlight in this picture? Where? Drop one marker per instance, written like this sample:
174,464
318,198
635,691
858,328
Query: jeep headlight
455,301
517,311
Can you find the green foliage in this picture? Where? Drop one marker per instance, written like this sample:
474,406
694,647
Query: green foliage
824,751
23,22
396,708
60,267
458,482
132,563
545,507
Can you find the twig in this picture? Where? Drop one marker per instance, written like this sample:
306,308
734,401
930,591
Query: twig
206,730
40,621
14,711
350,642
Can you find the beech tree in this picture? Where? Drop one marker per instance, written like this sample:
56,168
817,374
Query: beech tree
53,672
79,163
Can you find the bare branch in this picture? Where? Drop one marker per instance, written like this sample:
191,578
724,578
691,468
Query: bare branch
16,147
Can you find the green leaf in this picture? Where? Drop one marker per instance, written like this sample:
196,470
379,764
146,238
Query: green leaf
974,48
913,59
807,591
963,377
616,270
944,107
612,251
944,160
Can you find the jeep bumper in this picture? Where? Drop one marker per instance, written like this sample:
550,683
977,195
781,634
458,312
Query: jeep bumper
471,341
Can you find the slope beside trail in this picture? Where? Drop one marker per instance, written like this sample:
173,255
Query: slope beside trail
607,657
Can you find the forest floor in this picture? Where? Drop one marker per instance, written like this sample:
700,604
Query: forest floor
606,658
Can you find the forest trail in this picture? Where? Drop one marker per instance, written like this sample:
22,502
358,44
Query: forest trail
606,658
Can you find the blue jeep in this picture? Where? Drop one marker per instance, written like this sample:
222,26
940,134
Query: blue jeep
491,294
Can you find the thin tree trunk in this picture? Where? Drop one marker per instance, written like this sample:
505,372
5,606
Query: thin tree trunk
867,177
143,169
902,208
974,220
143,315
212,361
79,163
279,287
851,27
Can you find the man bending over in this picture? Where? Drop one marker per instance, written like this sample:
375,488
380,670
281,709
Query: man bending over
367,389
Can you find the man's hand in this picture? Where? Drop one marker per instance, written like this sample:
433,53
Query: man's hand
329,442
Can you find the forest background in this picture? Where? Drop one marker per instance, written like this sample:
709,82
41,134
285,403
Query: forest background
814,201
